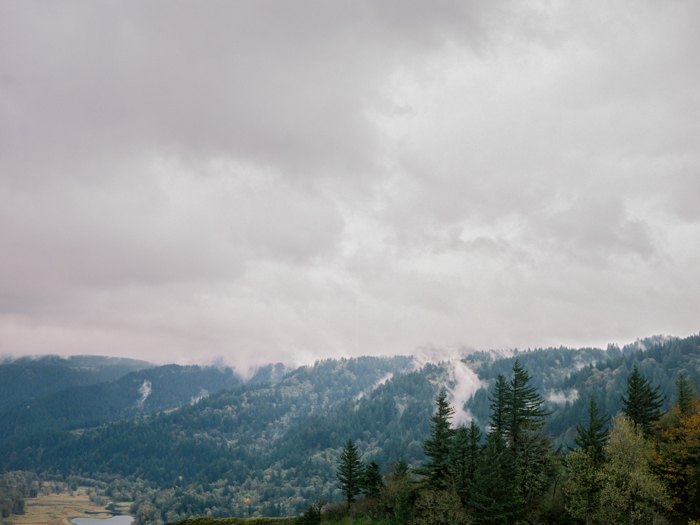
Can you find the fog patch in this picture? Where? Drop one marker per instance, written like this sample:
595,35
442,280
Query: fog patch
466,384
464,379
401,405
561,398
377,384
202,394
145,391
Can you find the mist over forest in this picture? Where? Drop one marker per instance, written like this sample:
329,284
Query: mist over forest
176,442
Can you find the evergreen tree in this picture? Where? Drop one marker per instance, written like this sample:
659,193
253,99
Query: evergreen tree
458,458
399,492
642,404
463,458
350,471
372,482
524,423
498,402
685,393
523,408
592,438
437,446
493,497
398,470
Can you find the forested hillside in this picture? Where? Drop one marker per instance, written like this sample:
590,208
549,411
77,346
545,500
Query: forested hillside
136,393
567,378
27,378
270,448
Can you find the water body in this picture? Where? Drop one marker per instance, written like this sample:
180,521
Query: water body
114,520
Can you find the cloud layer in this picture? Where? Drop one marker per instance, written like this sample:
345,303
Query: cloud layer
267,181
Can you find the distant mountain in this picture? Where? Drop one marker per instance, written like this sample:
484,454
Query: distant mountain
28,378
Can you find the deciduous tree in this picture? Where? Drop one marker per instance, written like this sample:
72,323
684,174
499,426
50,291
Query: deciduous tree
583,487
677,458
630,490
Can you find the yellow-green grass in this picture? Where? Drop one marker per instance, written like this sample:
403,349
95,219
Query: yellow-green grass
59,509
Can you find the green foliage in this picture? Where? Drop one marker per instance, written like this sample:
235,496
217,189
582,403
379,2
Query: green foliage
441,507
522,431
643,402
592,438
350,472
11,499
463,460
169,386
493,498
629,488
498,402
371,482
684,393
276,446
523,407
583,486
312,515
25,379
438,445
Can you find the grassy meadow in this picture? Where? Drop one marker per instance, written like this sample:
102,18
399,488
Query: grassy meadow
59,509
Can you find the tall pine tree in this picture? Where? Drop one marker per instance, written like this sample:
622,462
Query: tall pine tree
498,402
592,438
643,402
437,446
524,411
372,482
463,458
350,471
684,394
493,498
523,431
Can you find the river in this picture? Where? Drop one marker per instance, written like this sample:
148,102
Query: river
114,520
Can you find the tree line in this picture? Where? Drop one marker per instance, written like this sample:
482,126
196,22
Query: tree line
641,466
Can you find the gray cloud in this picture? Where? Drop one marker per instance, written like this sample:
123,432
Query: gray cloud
286,181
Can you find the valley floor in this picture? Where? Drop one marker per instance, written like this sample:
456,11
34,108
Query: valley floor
59,509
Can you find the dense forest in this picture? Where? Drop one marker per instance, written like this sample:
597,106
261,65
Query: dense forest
272,446
26,378
641,466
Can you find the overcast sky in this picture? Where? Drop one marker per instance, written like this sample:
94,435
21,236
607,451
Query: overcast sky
291,180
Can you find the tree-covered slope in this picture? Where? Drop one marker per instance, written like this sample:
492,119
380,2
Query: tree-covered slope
567,378
271,447
244,433
136,393
27,378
